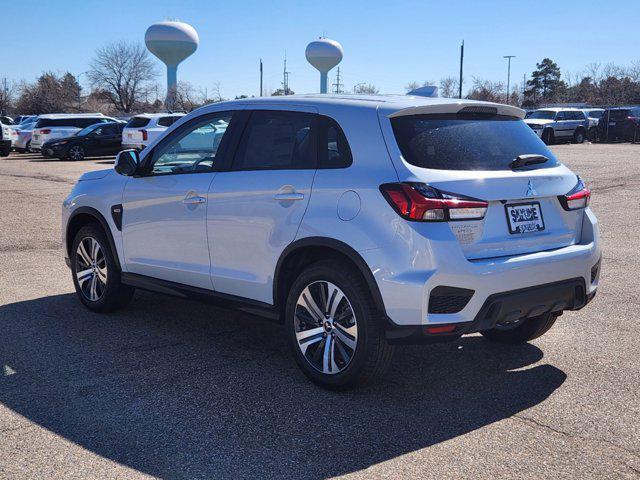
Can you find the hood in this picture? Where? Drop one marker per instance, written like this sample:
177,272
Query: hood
537,121
95,175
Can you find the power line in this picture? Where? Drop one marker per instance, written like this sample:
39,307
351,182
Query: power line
338,86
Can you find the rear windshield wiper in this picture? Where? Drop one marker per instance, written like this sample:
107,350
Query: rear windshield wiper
526,160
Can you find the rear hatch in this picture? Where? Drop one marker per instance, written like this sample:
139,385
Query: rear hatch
133,131
471,156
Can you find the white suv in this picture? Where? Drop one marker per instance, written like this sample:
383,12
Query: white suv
359,222
143,129
62,125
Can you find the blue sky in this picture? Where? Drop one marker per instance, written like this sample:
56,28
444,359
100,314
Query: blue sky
387,43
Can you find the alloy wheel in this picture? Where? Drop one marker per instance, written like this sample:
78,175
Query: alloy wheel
76,153
91,269
326,328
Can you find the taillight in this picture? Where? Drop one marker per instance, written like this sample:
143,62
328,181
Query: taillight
577,198
420,202
45,131
144,135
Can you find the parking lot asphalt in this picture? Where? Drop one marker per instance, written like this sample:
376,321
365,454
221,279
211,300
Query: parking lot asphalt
175,389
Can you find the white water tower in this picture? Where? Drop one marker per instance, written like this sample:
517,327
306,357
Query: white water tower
171,42
324,54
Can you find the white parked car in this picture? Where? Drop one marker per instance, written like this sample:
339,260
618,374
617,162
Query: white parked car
559,124
62,125
143,129
359,222
22,135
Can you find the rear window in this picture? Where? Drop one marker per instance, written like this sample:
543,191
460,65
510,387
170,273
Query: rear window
454,142
137,122
167,121
618,114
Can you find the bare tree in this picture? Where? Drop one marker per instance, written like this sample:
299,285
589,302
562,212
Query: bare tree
7,94
365,89
123,70
413,85
449,87
188,98
487,90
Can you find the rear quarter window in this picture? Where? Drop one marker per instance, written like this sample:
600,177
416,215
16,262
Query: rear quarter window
469,142
137,122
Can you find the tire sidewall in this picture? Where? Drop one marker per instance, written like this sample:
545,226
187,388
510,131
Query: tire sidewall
361,310
80,149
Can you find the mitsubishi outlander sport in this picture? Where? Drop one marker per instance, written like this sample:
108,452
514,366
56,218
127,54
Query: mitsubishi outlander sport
359,222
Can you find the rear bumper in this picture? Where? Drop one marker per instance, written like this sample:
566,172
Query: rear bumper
504,307
133,146
409,272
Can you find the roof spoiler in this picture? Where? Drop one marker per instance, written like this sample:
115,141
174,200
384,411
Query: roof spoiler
461,107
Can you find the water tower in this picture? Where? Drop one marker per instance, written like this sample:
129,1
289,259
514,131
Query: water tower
171,42
324,54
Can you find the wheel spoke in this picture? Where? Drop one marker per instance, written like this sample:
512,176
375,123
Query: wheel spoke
93,293
83,276
102,275
327,360
95,249
335,297
82,251
310,304
346,339
303,337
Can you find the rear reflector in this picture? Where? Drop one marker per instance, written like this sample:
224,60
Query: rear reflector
145,137
441,329
577,198
422,203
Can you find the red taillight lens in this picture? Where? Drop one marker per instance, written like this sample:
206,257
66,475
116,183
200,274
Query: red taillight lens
577,198
144,135
420,202
45,131
441,329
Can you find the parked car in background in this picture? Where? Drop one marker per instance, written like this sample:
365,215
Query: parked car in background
61,125
559,124
593,117
620,123
5,140
24,118
143,129
358,222
22,135
6,120
95,140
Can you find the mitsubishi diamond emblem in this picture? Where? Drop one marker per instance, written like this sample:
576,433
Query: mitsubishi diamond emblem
531,192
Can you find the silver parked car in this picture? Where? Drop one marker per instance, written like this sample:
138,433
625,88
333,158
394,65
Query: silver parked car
557,124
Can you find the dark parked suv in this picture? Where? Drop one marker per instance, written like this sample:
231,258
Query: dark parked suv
620,123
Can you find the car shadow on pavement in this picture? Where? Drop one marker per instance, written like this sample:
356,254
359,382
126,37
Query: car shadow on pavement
179,389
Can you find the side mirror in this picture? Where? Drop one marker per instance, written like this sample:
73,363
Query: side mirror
127,162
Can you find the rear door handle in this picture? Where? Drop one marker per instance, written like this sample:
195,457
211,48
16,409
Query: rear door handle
286,197
193,199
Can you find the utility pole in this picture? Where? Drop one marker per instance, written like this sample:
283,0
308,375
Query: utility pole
338,85
461,62
285,76
260,77
508,57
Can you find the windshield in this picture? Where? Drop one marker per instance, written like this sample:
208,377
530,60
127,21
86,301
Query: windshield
86,130
595,113
453,142
543,115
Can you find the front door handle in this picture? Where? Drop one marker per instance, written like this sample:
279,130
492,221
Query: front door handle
193,199
287,197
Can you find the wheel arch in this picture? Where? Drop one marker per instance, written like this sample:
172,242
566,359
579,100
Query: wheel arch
306,251
83,216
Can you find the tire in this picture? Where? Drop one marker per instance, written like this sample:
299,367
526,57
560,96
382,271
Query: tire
531,328
592,134
27,148
547,136
348,347
99,269
579,136
75,153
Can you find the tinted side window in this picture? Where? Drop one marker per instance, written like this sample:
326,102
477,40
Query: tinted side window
85,122
192,149
561,116
110,130
167,121
334,151
277,140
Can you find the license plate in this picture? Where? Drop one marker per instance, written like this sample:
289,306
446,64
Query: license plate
129,135
36,136
524,217
612,124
